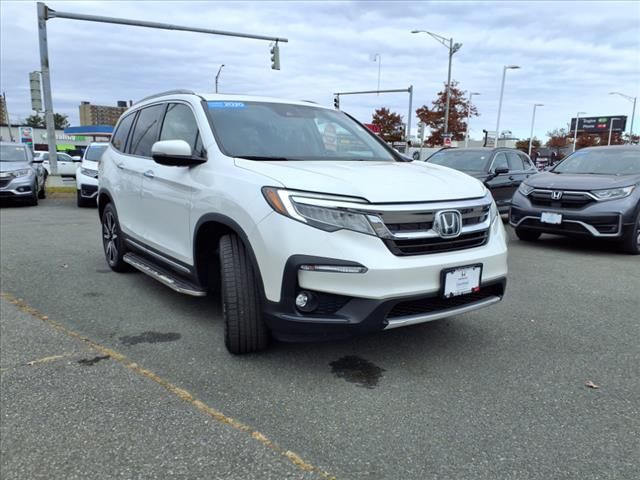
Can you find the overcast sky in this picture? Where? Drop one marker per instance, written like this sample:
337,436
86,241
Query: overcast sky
572,54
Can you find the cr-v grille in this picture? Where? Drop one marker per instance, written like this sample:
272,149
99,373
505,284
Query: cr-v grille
543,198
413,232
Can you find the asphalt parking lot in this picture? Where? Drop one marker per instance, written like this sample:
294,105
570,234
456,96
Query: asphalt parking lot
132,380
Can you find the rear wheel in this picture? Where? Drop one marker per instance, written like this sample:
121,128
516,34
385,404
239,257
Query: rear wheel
244,329
527,235
112,240
631,240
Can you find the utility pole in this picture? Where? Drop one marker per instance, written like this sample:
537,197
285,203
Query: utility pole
504,75
466,135
6,113
633,111
43,16
533,119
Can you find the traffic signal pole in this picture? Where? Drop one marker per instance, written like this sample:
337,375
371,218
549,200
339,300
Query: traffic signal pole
45,13
337,95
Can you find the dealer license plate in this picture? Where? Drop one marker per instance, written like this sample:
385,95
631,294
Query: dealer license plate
461,280
553,218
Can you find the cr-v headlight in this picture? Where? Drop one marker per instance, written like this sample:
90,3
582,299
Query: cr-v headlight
89,172
322,217
22,173
525,189
613,193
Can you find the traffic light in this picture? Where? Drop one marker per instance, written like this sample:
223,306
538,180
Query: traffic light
275,57
36,96
421,131
336,102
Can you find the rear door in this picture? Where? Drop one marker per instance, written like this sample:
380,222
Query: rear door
167,190
66,165
500,185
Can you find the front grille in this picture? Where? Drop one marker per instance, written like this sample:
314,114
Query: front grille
421,246
421,221
542,198
4,182
437,304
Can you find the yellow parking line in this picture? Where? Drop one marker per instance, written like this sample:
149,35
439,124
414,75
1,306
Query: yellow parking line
184,395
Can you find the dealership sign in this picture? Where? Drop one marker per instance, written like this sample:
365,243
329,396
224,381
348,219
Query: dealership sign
26,135
600,124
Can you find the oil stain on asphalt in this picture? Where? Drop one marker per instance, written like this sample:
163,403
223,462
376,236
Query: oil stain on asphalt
150,337
88,362
357,370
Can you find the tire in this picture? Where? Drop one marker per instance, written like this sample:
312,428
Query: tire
631,240
33,201
82,202
527,235
244,328
42,193
112,240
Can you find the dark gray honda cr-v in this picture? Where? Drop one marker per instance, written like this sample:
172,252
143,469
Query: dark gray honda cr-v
593,192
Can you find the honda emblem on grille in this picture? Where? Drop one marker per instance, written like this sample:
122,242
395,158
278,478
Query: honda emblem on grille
556,195
448,223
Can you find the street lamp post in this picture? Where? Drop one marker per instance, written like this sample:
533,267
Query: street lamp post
466,135
533,119
504,74
611,129
218,76
633,111
378,58
453,48
575,131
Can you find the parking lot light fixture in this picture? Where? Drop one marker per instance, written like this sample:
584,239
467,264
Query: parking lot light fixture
575,130
633,111
466,135
533,119
504,74
453,48
218,76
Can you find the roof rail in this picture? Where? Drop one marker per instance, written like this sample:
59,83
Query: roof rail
168,92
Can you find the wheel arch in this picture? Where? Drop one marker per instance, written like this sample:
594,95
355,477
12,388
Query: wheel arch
207,233
104,197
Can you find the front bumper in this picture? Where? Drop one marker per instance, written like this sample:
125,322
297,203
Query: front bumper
605,219
19,187
88,186
355,303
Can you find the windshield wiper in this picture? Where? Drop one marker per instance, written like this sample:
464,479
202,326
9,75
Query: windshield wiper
259,157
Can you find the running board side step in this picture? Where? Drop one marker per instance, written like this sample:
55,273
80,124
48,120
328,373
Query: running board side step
163,275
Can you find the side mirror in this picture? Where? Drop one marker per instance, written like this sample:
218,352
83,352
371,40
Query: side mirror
174,153
501,170
37,160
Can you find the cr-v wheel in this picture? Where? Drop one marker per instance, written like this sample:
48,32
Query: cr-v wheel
244,329
112,240
631,240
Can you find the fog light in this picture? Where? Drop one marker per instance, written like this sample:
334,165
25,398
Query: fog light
23,189
306,302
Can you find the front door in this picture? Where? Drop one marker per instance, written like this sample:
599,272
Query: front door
501,185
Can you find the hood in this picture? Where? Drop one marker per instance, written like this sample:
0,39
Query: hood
11,166
580,181
377,182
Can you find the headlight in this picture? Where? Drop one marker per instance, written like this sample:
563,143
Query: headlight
493,212
612,193
525,189
23,173
291,204
89,172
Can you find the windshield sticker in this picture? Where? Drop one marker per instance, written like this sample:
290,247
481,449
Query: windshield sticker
225,104
329,137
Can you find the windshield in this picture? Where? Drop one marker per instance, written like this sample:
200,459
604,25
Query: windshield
602,162
94,152
13,153
465,160
276,131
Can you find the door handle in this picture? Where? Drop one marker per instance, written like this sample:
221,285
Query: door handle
149,174
512,178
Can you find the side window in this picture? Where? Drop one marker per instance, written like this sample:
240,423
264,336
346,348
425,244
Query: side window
180,124
526,162
120,136
145,133
500,161
515,161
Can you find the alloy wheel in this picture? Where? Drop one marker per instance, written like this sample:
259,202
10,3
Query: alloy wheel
110,235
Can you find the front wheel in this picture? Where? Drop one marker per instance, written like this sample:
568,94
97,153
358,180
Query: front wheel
631,240
42,193
244,329
33,200
112,240
527,235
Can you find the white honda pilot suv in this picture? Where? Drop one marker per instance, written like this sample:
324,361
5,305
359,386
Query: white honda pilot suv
309,225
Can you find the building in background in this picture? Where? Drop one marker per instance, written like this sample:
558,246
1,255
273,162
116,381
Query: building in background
101,114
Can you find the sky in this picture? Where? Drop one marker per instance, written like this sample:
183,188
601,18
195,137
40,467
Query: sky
571,54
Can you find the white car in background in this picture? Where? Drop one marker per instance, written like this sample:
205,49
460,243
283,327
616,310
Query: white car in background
87,175
66,164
